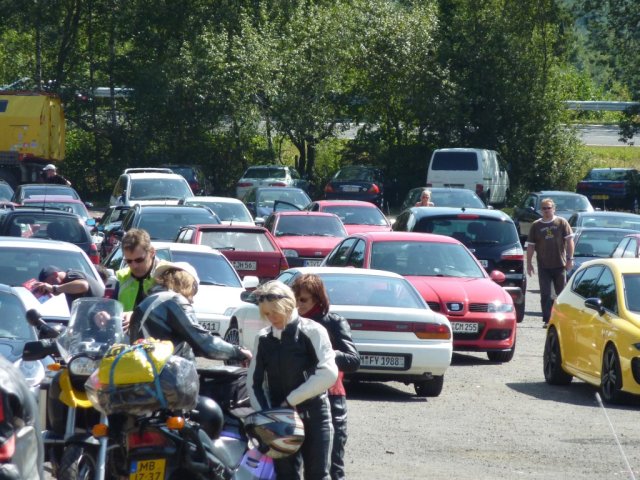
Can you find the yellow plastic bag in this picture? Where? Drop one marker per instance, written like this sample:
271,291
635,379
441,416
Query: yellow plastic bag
131,364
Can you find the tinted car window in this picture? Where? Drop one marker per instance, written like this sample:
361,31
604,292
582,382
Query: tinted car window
212,269
606,291
239,241
316,226
338,257
270,172
226,211
357,215
43,225
455,161
158,188
470,230
165,225
630,250
356,259
585,286
631,282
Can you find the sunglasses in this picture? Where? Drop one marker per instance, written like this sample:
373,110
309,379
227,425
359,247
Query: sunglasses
270,297
547,208
135,260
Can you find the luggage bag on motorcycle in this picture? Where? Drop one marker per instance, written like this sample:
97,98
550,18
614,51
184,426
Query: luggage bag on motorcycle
226,385
141,378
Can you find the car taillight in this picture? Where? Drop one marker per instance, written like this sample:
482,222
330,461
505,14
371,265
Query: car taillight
515,253
374,189
329,188
147,438
479,188
467,216
278,184
284,265
94,255
424,331
617,185
244,184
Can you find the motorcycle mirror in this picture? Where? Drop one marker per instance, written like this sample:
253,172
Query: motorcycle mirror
38,350
34,318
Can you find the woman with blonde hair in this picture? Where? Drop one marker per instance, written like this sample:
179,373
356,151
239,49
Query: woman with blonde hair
293,366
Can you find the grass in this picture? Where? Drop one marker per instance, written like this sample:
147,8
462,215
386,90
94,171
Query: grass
628,157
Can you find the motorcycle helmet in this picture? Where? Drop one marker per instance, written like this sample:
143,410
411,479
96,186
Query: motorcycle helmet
279,432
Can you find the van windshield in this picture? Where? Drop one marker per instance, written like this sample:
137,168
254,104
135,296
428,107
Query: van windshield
455,161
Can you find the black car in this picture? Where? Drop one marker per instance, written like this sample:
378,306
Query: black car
164,221
567,203
199,182
48,224
444,197
611,188
108,224
263,201
489,234
357,182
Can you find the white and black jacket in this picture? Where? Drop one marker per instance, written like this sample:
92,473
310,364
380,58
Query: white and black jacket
297,367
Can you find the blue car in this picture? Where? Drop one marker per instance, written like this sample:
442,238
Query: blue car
357,182
263,201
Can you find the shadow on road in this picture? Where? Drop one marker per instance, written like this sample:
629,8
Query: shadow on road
576,393
379,392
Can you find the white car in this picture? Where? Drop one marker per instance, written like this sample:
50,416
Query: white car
149,186
230,211
269,176
398,337
220,286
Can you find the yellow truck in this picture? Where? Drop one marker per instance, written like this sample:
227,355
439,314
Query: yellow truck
32,130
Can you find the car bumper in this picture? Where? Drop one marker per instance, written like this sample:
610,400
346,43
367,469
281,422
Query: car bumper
304,261
496,332
214,323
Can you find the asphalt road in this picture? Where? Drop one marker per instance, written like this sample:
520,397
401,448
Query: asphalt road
492,421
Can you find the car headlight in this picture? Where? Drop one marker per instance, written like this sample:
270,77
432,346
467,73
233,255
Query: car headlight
83,366
33,371
500,307
289,253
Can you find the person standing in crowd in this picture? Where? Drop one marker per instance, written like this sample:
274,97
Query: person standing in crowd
136,279
73,283
293,366
313,302
51,176
551,238
425,199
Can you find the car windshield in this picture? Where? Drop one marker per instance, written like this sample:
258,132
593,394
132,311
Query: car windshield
357,215
570,202
226,211
49,190
159,189
470,229
380,291
187,172
267,198
355,173
212,269
165,225
12,318
425,259
238,241
599,243
47,226
268,172
615,175
307,225
610,221
455,198
6,192
18,265
77,208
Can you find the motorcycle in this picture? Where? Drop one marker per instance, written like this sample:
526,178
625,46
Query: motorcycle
71,445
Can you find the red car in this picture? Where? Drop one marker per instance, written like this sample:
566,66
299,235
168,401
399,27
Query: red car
448,277
251,250
305,237
357,216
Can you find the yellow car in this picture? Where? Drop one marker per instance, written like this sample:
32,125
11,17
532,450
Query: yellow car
594,330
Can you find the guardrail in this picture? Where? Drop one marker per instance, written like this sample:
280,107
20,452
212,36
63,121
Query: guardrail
596,105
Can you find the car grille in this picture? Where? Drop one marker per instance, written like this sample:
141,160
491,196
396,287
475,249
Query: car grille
435,306
478,307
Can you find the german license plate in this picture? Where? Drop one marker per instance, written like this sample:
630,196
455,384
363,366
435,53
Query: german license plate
601,197
242,265
147,469
382,361
350,188
484,263
464,327
211,326
312,263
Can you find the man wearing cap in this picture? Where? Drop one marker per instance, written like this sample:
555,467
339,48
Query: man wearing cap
51,176
73,283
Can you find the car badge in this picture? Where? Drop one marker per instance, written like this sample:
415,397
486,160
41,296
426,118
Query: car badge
318,254
455,307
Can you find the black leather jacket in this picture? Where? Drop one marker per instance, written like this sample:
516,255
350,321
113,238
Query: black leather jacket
347,357
167,315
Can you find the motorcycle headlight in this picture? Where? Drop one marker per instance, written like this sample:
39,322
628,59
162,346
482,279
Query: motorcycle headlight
33,371
500,307
289,253
83,366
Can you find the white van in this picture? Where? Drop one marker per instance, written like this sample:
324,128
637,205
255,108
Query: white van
477,169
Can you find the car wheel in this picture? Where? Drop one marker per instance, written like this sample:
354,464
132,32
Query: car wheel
552,361
429,388
611,376
77,463
520,312
233,337
504,356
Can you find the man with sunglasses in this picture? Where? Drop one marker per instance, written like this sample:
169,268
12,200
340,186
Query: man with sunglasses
73,283
551,238
136,279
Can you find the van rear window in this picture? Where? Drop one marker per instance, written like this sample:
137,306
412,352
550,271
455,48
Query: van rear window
455,161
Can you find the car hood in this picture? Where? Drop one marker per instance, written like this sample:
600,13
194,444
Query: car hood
213,299
308,245
455,289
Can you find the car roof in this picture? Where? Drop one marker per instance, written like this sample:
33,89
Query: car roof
403,237
305,213
228,228
170,208
158,175
346,271
608,213
449,211
19,242
52,198
184,247
39,211
354,203
213,199
280,189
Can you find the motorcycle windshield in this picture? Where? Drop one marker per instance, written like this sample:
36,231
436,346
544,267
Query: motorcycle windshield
95,324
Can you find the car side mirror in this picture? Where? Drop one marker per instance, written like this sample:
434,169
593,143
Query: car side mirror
498,276
39,350
595,304
259,221
250,282
248,297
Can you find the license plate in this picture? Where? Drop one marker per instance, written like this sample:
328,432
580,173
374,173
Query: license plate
211,326
147,469
382,361
242,265
350,188
464,327
312,263
484,263
600,197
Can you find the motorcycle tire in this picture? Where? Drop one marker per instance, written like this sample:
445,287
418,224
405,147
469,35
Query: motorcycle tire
78,463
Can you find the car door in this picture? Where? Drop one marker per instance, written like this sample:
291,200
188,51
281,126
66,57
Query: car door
356,256
527,214
339,255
